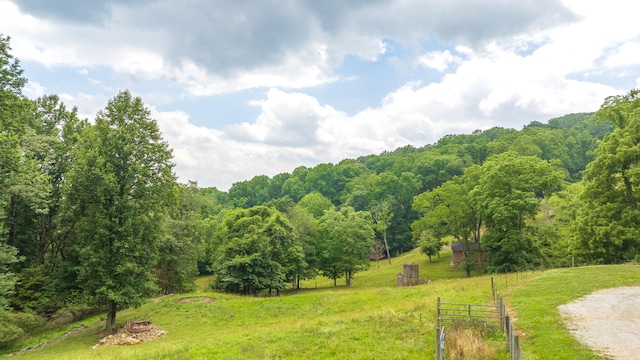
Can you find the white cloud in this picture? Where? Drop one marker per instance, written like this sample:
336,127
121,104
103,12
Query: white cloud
438,60
627,54
33,90
501,64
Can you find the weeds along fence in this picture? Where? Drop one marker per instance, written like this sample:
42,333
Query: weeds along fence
492,314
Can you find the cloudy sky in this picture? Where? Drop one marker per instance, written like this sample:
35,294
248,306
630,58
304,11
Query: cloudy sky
244,88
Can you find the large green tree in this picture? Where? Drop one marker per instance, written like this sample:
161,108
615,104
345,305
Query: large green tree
344,240
117,191
259,251
508,194
448,211
608,225
183,244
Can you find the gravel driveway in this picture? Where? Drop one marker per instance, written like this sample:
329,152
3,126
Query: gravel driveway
607,321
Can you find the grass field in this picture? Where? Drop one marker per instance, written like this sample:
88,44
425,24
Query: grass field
373,319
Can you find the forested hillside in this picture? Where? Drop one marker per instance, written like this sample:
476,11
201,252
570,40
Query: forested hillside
92,218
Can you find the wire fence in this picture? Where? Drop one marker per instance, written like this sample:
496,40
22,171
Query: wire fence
448,313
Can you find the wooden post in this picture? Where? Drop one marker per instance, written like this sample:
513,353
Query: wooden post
508,332
438,342
501,313
506,281
493,290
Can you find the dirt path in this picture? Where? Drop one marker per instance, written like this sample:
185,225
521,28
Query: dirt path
607,321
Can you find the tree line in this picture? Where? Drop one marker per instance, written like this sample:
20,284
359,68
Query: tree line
92,217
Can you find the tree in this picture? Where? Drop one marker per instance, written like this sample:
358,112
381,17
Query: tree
377,251
259,251
382,216
608,223
316,204
305,228
507,195
117,192
448,211
183,244
344,238
429,245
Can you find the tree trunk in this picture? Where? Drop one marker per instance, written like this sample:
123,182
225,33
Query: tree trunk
384,235
111,316
348,276
43,238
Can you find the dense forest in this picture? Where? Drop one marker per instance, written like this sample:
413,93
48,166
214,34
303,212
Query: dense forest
93,219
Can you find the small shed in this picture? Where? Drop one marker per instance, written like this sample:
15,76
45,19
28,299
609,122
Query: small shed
411,276
476,252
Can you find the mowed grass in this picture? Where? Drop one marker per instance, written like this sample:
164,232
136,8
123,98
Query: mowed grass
374,319
536,302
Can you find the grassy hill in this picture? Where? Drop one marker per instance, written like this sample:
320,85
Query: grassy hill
373,319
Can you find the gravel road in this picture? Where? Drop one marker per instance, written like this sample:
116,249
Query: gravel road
607,321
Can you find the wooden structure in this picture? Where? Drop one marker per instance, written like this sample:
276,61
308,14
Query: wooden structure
411,275
475,251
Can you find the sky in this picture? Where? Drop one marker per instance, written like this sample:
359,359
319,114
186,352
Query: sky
259,87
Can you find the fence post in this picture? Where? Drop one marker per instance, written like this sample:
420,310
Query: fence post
493,290
441,343
438,323
507,325
438,342
501,312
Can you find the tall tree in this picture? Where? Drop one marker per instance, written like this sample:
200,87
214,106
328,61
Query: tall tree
448,211
608,225
344,240
183,244
117,192
14,108
508,194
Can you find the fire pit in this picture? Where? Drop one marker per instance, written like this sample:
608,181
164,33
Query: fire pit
138,326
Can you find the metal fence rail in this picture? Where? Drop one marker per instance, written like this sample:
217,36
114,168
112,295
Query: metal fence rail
448,313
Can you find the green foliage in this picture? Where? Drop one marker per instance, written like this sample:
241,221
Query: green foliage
608,223
8,257
509,192
429,245
259,251
316,204
16,324
344,239
10,72
117,192
183,244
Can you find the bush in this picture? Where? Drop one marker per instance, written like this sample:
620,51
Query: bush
15,325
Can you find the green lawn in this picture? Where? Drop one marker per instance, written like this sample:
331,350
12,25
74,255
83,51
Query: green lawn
536,303
373,319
